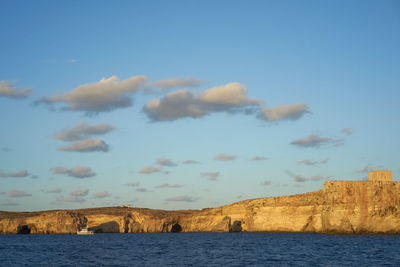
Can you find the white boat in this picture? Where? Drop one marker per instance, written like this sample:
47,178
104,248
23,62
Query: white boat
85,231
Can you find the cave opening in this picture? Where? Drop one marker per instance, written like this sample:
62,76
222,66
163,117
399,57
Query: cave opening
176,228
24,230
236,226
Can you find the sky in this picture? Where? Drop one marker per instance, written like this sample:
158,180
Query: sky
193,104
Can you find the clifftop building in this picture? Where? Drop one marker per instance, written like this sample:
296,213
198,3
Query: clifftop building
380,176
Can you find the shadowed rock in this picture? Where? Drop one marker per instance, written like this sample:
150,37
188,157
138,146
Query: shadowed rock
176,228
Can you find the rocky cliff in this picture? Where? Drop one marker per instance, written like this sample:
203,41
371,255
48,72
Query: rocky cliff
340,207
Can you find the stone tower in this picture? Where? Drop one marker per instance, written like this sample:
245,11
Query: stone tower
380,176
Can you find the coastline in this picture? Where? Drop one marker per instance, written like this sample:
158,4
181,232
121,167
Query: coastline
341,207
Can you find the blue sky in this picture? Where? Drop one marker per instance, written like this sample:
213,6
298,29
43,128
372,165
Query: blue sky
193,104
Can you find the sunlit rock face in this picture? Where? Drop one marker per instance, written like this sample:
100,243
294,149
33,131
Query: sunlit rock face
340,207
46,222
361,207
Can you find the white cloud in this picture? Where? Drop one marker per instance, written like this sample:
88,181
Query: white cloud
82,131
165,162
183,198
167,84
301,179
228,95
102,194
183,103
211,176
53,191
142,190
168,186
311,162
87,145
224,157
284,112
7,89
149,169
18,193
76,172
190,161
20,174
106,95
314,140
80,193
347,131
132,184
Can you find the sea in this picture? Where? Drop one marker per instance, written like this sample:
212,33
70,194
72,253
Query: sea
200,249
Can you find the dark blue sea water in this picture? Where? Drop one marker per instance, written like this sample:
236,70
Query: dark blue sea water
199,249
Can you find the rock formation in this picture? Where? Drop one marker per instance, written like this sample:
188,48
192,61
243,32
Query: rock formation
340,207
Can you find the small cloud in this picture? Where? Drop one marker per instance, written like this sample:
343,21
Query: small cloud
314,140
149,170
143,190
102,194
165,162
9,204
80,193
136,184
83,131
53,191
105,95
87,145
347,131
284,112
189,161
20,174
224,157
76,172
6,149
266,183
301,179
70,199
310,162
71,60
211,176
316,178
366,169
7,89
168,186
183,198
257,158
18,193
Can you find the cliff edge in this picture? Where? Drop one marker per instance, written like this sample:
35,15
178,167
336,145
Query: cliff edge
348,207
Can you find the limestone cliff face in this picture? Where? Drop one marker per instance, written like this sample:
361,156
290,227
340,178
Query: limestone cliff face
47,222
361,207
340,207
